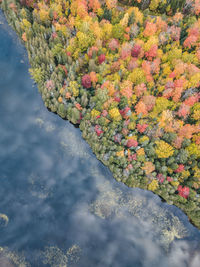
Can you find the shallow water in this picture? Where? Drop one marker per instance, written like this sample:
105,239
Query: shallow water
59,205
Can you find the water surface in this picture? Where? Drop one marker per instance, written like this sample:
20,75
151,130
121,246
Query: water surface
59,205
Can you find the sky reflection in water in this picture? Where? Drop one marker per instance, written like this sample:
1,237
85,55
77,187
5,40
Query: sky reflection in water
63,206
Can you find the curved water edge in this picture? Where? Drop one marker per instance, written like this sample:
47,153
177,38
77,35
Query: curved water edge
59,198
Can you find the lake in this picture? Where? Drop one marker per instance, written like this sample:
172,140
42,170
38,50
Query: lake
59,205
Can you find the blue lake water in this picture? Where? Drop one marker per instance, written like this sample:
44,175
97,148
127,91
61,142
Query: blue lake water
59,205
